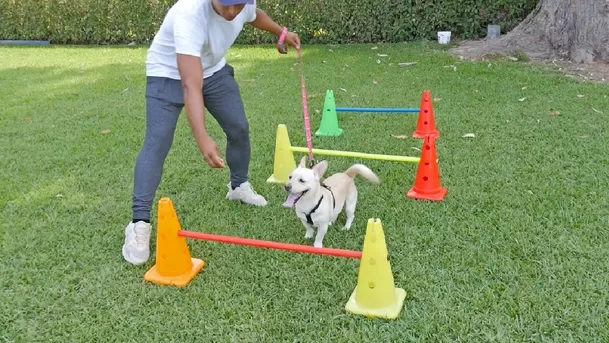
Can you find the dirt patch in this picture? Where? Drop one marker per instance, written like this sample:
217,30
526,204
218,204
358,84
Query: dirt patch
536,53
567,36
593,71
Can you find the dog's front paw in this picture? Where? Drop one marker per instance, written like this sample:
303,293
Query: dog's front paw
309,235
317,245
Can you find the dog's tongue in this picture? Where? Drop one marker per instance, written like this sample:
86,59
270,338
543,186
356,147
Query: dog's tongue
291,200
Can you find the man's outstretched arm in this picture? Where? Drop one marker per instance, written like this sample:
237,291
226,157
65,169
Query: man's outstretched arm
265,23
188,42
191,75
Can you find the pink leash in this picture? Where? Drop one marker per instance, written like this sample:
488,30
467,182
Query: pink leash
283,50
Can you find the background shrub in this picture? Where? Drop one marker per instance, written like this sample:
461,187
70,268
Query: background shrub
317,21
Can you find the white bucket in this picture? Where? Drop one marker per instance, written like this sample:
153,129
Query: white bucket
444,37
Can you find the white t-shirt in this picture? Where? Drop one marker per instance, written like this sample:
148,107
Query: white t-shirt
192,27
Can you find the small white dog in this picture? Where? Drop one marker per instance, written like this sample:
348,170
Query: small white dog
318,203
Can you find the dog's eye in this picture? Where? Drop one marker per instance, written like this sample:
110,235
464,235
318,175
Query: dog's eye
301,180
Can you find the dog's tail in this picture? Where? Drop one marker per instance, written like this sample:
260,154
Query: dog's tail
364,171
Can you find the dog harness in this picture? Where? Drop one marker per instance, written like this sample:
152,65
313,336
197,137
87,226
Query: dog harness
308,215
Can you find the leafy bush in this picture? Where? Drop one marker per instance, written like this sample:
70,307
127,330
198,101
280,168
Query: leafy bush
317,21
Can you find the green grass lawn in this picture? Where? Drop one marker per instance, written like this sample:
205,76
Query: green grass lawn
517,252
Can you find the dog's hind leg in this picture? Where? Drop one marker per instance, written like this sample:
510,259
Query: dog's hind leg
350,203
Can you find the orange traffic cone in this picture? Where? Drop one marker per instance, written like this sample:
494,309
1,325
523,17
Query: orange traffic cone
427,182
174,265
426,125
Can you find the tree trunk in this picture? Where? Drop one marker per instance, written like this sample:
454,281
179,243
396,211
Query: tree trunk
574,29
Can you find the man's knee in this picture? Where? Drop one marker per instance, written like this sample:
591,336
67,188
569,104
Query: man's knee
238,131
158,146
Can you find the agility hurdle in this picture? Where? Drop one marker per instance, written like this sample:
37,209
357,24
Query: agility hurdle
329,117
284,162
427,185
375,294
377,109
271,245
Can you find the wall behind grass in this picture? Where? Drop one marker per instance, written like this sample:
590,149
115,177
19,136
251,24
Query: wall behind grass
316,21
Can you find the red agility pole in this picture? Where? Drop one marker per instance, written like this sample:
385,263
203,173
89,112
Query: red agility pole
270,245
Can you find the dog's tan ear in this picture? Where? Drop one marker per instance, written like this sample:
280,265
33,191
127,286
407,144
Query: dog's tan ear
303,162
320,168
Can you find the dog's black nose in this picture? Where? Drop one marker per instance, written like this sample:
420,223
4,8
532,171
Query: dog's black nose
288,187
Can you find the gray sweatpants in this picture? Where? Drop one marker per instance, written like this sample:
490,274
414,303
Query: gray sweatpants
164,102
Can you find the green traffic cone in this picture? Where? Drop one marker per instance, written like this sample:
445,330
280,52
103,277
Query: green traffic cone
329,119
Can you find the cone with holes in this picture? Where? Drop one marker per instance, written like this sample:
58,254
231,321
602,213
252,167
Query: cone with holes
426,125
427,181
329,118
283,162
174,266
375,295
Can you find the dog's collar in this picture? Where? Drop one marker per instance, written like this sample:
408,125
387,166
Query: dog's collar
308,215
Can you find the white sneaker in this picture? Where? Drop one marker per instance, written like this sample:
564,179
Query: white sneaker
136,249
246,193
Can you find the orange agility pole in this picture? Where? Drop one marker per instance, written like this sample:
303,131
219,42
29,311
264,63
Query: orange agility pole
270,245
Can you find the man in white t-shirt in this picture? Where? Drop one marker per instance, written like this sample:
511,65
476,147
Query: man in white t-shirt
186,68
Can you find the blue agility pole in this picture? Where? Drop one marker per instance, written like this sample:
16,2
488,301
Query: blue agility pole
25,42
377,110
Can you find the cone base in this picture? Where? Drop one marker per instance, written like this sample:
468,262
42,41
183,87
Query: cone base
153,275
390,312
437,196
336,133
273,179
420,134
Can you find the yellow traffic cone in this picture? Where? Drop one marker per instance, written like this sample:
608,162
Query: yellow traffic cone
174,266
284,162
375,294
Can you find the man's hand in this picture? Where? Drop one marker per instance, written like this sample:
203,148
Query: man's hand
191,73
292,39
211,153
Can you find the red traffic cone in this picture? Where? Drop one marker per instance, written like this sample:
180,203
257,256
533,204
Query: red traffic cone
426,125
427,182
